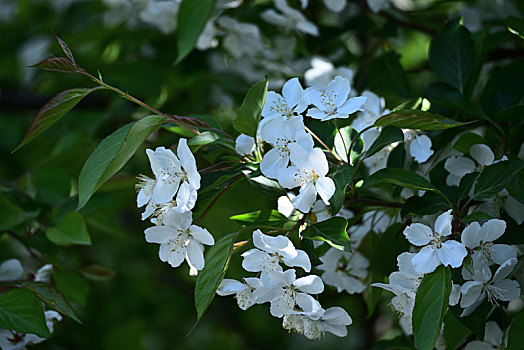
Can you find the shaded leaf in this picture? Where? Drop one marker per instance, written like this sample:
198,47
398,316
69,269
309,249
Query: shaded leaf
415,119
516,332
431,303
341,177
192,18
455,333
248,115
58,64
21,311
11,215
112,153
73,286
428,204
52,298
332,231
70,230
495,177
267,217
98,273
387,136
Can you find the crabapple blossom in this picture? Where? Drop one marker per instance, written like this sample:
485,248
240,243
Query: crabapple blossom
493,339
270,251
308,170
333,102
344,270
290,104
418,145
495,287
180,240
458,166
283,135
11,270
333,320
435,249
243,291
322,71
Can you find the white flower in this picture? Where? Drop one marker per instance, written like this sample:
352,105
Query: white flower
493,338
11,270
344,270
271,251
378,5
333,320
282,134
285,292
322,72
291,103
289,18
240,39
496,288
244,145
180,240
9,342
308,171
515,209
333,102
243,291
173,175
380,159
458,166
435,250
480,238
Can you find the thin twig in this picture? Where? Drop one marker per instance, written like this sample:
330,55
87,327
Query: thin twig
324,145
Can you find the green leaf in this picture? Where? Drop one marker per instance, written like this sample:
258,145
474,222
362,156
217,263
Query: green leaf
455,333
387,136
267,186
431,303
400,177
21,311
192,18
53,111
475,322
12,215
386,76
217,260
73,286
418,120
495,177
265,217
332,231
515,25
52,298
516,332
341,177
429,204
515,187
466,140
248,115
111,155
205,138
53,185
70,230
452,54
466,183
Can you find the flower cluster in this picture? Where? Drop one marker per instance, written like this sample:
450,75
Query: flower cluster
290,297
169,198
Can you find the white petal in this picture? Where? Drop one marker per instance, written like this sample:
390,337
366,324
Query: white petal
471,292
186,197
292,92
305,198
452,253
11,270
493,334
482,154
279,244
470,236
188,163
229,286
255,260
443,223
316,113
325,188
273,162
459,166
160,234
275,105
195,255
315,97
493,229
279,278
179,220
504,270
426,260
201,235
301,260
508,290
244,145
338,90
310,284
418,234
500,253
420,148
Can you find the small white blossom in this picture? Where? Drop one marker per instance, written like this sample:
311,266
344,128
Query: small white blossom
458,166
333,102
290,104
11,270
161,14
180,240
436,250
333,320
344,270
243,291
289,18
308,171
270,251
322,71
417,145
44,273
496,288
493,338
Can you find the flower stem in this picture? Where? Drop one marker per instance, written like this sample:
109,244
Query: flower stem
324,145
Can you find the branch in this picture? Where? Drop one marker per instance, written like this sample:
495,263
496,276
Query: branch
378,202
